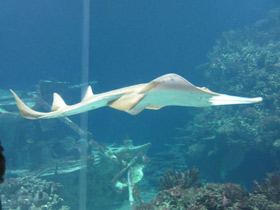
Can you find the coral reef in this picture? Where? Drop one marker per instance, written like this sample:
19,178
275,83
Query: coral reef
214,196
270,187
30,193
248,61
243,62
181,179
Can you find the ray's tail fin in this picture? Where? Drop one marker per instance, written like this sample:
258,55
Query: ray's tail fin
25,111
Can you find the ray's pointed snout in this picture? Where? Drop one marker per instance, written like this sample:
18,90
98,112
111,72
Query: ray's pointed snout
227,99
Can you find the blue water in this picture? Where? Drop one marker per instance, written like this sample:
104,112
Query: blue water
131,42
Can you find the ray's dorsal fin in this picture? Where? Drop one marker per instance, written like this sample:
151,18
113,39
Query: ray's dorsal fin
88,94
58,102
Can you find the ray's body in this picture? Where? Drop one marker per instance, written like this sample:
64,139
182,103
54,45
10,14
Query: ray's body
167,90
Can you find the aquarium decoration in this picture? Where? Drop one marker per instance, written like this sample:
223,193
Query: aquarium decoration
110,174
167,90
111,169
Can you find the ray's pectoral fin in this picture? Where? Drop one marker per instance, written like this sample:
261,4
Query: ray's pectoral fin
126,102
137,109
154,107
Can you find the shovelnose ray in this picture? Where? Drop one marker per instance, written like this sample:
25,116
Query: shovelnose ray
167,90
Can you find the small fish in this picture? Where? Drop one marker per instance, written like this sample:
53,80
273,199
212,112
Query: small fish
226,201
30,141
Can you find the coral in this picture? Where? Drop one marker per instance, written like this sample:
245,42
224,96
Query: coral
248,61
29,193
270,187
243,62
214,196
183,180
41,198
233,192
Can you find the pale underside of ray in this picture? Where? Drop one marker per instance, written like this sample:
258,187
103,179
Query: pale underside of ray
167,90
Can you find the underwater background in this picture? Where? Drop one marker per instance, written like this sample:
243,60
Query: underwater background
192,158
